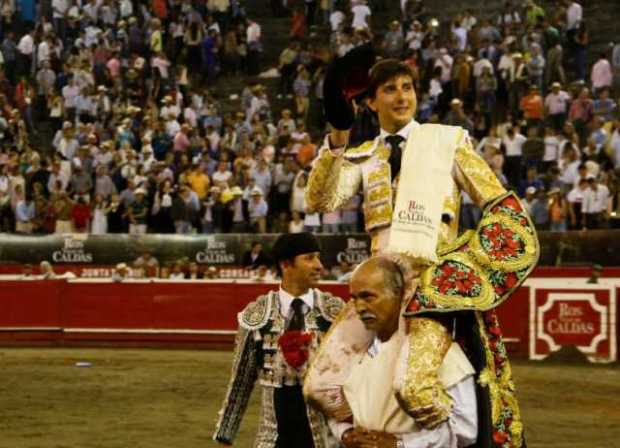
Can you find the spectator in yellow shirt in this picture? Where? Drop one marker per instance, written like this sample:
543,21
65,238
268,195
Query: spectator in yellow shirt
199,181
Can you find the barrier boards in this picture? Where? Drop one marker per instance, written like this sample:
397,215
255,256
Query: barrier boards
550,311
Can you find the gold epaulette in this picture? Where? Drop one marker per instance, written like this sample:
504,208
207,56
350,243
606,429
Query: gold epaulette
329,306
256,314
366,149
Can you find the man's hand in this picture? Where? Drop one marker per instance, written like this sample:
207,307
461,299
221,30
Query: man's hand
362,438
338,138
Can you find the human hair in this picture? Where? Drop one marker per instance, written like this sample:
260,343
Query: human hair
393,276
385,70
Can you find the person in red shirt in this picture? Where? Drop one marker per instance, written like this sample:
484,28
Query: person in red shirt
298,24
80,215
532,107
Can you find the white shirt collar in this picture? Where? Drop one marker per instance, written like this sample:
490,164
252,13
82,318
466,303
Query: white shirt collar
286,299
403,132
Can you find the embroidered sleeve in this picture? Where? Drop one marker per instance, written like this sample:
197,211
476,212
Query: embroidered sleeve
332,182
243,378
483,267
421,393
473,175
330,306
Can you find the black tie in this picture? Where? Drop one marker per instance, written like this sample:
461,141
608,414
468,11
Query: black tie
297,321
396,153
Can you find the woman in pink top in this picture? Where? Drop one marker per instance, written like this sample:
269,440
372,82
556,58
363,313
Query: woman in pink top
181,140
581,112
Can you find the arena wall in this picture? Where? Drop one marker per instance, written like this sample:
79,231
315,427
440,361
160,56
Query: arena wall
555,308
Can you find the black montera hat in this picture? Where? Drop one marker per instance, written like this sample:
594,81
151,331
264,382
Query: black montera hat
346,78
289,245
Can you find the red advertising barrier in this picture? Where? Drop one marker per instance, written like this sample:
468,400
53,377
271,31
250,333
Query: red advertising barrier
549,312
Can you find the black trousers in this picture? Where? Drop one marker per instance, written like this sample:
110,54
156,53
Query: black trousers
293,426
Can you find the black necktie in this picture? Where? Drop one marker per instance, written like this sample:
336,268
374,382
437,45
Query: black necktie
297,321
396,153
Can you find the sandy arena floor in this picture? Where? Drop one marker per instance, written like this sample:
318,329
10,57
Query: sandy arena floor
170,399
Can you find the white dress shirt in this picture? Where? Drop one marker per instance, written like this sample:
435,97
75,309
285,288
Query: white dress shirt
286,299
460,430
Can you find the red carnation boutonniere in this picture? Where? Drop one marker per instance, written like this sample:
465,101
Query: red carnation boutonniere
294,346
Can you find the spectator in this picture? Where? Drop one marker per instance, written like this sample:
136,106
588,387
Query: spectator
255,257
297,224
177,271
532,107
137,213
595,204
47,271
63,208
257,211
24,215
81,215
604,107
121,273
27,272
575,201
148,263
457,116
556,105
602,74
558,211
180,212
100,212
539,210
193,272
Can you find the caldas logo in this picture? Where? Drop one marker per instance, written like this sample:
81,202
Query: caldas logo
72,251
356,251
215,252
415,213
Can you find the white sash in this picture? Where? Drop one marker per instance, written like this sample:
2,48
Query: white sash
425,180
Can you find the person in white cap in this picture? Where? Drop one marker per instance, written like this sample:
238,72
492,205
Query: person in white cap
137,213
556,105
257,210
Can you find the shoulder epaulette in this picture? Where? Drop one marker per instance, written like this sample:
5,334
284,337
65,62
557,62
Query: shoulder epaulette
256,314
329,305
366,149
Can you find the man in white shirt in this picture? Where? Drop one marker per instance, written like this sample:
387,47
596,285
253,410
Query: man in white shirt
25,49
595,204
379,419
361,16
60,9
556,105
574,15
513,142
336,20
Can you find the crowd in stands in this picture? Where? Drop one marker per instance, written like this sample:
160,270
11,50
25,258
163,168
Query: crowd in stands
141,142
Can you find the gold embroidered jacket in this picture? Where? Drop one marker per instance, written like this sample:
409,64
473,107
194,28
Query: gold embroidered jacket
258,357
334,179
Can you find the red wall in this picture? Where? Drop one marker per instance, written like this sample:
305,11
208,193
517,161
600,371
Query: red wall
169,313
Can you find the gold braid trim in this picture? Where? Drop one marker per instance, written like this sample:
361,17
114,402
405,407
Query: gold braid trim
501,387
422,394
452,246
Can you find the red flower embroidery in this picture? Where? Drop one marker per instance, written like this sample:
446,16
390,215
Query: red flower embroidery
511,280
512,203
495,330
413,306
294,346
500,437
